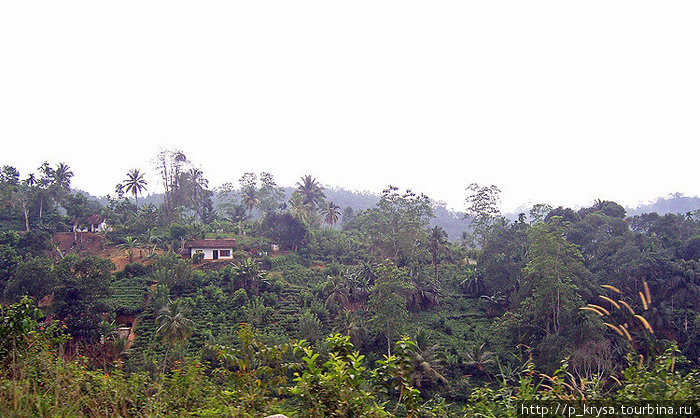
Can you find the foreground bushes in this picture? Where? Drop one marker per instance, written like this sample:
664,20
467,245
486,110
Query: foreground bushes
40,377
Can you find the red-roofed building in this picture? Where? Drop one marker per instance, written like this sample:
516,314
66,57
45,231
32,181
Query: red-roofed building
213,249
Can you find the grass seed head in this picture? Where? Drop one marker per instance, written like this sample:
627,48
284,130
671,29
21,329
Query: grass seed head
612,302
644,301
609,287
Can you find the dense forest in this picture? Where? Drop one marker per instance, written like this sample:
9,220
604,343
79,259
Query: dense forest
330,309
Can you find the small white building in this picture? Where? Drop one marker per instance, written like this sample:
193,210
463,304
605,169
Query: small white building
94,223
98,224
213,249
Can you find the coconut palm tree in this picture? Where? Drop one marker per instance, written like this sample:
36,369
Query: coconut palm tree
358,286
332,212
174,326
195,188
135,183
118,350
44,186
312,192
472,285
496,302
427,361
478,357
62,176
423,295
61,181
250,199
338,292
437,242
349,324
249,274
297,207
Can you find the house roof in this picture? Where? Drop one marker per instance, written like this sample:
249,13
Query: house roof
95,219
211,243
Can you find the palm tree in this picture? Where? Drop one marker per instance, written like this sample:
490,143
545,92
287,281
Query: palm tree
250,276
297,207
426,361
423,295
478,357
195,189
598,205
148,213
152,241
61,180
348,324
496,302
135,183
62,176
367,271
130,243
438,243
358,286
119,348
44,185
472,285
250,199
338,292
312,192
332,213
174,326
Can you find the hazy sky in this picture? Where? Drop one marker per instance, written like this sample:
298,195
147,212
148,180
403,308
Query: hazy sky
554,101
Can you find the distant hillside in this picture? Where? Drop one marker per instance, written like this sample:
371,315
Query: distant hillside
154,198
675,203
453,222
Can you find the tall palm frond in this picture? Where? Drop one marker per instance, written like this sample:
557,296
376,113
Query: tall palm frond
135,183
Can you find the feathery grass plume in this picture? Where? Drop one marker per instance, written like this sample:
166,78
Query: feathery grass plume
569,386
616,380
609,300
588,308
613,327
613,288
644,301
627,334
645,323
647,292
600,308
627,305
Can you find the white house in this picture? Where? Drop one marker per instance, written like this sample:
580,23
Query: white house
213,249
98,224
94,223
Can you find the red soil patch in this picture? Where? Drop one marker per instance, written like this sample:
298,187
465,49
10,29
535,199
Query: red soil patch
83,242
90,243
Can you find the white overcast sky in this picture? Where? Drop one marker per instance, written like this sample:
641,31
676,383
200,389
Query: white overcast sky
553,101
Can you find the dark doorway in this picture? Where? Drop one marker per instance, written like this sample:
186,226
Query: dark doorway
215,254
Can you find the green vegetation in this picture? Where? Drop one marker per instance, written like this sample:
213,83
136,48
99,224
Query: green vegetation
323,312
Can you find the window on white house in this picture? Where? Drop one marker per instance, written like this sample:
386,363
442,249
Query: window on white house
224,253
